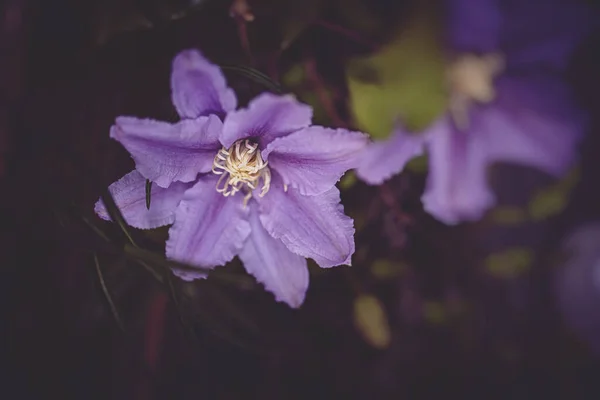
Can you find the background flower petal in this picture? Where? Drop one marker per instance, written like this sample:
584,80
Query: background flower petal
577,282
188,275
198,87
474,25
457,188
311,226
283,273
313,159
383,159
129,194
534,122
209,228
545,33
268,116
165,152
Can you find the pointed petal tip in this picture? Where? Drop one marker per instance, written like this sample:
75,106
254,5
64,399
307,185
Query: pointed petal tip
294,301
455,214
188,275
310,226
115,131
113,134
169,152
198,87
381,160
189,56
343,260
100,210
372,180
129,194
281,272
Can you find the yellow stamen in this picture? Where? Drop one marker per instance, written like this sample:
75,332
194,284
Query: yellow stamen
471,79
241,167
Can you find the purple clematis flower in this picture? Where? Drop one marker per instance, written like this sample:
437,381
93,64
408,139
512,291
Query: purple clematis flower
577,283
507,103
257,182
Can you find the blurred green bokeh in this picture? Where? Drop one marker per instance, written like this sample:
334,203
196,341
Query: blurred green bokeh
404,79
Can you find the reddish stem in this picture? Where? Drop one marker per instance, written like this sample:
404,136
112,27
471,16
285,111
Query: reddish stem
310,67
155,329
245,42
356,37
272,65
240,11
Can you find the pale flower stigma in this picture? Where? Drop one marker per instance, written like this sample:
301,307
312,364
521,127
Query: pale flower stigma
241,167
470,79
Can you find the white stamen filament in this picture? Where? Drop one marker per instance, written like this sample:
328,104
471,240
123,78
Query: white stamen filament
471,79
241,167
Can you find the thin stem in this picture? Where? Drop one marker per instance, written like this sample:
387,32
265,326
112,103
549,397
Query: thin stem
107,295
354,36
240,11
315,80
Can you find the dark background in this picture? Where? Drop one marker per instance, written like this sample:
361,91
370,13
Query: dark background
457,329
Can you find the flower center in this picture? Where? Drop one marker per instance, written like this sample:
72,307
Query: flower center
471,79
241,167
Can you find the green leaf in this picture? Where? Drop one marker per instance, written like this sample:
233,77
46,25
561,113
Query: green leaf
419,164
510,263
547,203
405,79
434,312
107,296
348,180
385,269
115,214
508,215
553,200
155,259
371,321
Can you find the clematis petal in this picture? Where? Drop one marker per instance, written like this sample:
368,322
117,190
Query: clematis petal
129,194
283,273
474,25
534,122
165,152
268,116
457,188
198,87
209,229
188,275
577,283
560,26
311,226
383,159
313,159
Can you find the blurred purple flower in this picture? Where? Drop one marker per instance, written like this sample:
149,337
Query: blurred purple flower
577,283
507,104
257,182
